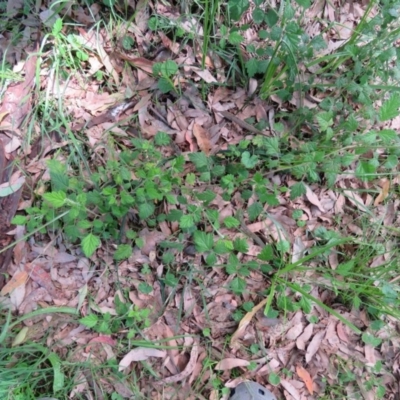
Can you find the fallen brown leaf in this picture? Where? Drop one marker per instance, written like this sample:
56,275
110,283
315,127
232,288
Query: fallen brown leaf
18,279
202,138
230,363
306,377
140,354
384,192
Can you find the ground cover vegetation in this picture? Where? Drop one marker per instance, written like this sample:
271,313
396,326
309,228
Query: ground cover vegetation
193,194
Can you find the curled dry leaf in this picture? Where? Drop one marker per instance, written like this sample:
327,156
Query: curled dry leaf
314,345
306,378
202,138
245,321
140,354
188,369
18,279
384,192
230,363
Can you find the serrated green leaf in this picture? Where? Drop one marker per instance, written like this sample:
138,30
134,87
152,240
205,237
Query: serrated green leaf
123,252
390,108
169,68
89,244
231,222
297,190
251,67
258,15
19,220
56,199
241,245
90,320
84,224
254,210
221,247
365,170
203,241
249,161
200,160
237,8
145,288
238,285
211,259
267,253
162,139
57,27
146,210
272,145
186,221
235,38
387,135
206,196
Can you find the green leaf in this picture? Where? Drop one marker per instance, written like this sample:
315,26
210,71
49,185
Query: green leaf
211,259
203,241
200,160
241,245
271,17
390,108
283,246
267,253
165,85
19,220
89,244
235,38
206,196
249,161
221,247
56,199
146,210
254,210
186,221
171,279
258,15
372,340
304,3
57,27
297,190
123,252
365,170
237,8
84,224
238,285
272,145
90,320
169,68
231,222
325,120
162,139
387,135
144,288
251,67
